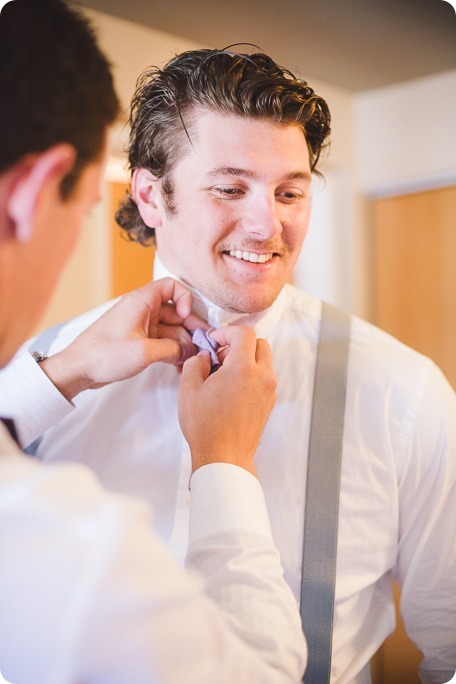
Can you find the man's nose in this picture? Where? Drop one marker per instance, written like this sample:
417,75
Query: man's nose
262,218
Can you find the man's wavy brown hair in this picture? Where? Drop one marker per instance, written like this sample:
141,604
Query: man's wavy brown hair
165,105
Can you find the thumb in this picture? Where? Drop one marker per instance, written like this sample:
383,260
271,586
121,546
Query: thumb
195,371
164,349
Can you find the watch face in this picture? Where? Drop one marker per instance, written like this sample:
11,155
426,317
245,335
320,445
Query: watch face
38,356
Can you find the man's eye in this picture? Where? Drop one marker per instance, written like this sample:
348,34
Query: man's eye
231,192
289,195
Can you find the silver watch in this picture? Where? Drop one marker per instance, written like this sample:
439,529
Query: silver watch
38,356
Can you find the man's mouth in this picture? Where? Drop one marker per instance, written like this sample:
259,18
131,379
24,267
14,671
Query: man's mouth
252,257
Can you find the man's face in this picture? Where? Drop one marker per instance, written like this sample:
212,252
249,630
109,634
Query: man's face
242,201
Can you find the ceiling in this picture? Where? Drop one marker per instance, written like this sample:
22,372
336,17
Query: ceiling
353,44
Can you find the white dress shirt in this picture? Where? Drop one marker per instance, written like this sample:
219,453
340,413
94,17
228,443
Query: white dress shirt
89,594
398,480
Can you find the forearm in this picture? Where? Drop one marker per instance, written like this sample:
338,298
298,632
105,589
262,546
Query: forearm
67,373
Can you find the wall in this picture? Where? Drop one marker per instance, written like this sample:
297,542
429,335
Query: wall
405,142
330,265
406,136
387,141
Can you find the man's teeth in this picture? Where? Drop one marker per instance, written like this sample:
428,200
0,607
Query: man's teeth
251,256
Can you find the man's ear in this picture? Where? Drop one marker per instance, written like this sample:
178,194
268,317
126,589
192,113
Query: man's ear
145,190
37,176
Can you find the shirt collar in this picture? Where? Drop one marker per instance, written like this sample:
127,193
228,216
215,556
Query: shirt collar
263,321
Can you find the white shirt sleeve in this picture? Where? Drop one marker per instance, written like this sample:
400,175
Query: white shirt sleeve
90,594
255,570
427,547
176,633
30,398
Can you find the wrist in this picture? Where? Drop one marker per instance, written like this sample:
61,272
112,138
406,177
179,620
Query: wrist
198,461
226,497
65,374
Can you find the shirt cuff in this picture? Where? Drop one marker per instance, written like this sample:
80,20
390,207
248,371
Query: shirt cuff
30,398
224,498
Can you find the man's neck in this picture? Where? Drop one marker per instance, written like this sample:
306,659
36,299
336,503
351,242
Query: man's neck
215,315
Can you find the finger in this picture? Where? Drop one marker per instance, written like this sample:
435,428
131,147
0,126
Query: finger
222,354
169,290
263,352
182,336
169,315
195,371
174,332
238,338
178,294
192,322
239,343
166,350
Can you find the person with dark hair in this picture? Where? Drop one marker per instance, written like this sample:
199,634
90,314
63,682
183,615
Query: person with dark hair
357,460
87,591
45,100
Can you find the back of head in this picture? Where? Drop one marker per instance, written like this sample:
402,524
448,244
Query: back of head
55,84
221,81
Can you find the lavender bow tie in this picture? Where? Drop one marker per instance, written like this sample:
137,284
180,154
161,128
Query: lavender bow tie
202,340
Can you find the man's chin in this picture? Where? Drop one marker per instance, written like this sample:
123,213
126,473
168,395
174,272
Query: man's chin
244,302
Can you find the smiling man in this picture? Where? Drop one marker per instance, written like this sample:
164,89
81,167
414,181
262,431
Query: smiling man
221,151
240,208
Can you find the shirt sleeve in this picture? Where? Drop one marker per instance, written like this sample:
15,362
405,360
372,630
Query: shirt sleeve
427,545
233,620
29,397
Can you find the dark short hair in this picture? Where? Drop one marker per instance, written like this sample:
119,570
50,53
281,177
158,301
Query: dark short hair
55,84
218,80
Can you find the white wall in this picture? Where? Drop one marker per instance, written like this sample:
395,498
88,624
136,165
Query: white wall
387,141
405,141
407,136
331,265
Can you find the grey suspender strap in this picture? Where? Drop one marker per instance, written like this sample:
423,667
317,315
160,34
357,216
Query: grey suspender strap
322,492
42,344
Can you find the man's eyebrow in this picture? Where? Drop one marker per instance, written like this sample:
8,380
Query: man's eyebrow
299,175
246,173
230,171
